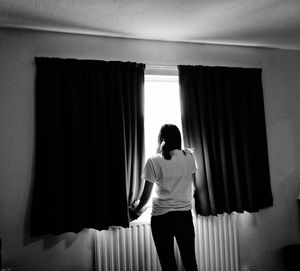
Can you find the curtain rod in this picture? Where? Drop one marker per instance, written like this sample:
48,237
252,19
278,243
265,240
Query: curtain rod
161,67
153,69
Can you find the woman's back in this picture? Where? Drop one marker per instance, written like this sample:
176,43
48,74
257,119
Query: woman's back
174,179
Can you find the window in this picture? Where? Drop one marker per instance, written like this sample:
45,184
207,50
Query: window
162,105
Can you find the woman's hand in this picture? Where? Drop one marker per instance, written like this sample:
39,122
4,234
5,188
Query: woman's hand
138,206
134,213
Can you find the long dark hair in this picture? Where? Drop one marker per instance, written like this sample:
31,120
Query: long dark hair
170,139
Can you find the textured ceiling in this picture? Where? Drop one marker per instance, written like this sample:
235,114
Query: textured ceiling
266,23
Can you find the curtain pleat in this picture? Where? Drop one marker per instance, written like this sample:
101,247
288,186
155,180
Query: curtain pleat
89,143
223,119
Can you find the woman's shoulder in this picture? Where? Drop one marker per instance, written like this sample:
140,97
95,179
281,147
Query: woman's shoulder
155,157
188,151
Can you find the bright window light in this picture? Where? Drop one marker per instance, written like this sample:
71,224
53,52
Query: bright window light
162,105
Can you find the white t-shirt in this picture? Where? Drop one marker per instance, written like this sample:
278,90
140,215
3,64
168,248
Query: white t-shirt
173,179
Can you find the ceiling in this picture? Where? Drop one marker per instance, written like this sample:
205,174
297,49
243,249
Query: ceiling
263,23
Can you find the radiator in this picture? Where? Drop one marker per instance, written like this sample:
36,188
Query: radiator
132,249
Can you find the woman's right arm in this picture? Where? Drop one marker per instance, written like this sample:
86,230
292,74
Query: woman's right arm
194,179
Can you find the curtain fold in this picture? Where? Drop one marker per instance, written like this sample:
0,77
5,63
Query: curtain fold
89,143
223,119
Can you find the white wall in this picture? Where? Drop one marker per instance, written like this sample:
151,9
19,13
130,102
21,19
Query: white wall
261,235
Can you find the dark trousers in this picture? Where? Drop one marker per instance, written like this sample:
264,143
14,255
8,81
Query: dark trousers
164,228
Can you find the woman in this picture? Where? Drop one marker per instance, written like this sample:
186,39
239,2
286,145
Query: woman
173,171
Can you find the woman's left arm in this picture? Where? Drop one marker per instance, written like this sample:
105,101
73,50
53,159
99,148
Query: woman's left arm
139,209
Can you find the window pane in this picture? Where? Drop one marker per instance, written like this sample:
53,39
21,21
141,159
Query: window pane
162,105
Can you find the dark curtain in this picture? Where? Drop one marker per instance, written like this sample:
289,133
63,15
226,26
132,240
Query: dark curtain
89,143
223,119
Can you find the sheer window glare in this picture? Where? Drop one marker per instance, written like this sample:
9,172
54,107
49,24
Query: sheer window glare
162,105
